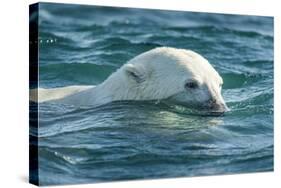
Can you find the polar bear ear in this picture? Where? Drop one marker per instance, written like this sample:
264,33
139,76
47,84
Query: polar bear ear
135,73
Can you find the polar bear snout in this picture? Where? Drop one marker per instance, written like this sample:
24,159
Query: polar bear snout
217,106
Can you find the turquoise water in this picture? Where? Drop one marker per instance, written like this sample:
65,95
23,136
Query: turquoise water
83,45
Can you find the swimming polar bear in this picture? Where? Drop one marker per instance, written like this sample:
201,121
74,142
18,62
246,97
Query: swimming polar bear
176,75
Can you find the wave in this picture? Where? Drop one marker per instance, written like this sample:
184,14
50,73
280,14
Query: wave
77,157
220,30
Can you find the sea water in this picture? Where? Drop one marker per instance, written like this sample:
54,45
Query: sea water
83,45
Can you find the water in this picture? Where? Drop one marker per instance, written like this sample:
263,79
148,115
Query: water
83,45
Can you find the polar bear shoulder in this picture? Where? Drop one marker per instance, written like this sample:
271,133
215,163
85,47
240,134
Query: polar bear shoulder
44,94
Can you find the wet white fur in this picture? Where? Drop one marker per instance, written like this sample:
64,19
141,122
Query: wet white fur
160,73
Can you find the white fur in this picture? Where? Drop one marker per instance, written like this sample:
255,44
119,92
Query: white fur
42,95
157,74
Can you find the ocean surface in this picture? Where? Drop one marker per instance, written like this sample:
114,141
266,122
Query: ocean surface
83,45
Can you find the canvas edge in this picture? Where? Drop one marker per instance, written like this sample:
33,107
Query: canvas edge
33,83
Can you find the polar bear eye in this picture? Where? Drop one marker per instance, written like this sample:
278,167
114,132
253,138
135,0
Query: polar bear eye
191,85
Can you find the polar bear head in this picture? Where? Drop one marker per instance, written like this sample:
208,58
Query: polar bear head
177,75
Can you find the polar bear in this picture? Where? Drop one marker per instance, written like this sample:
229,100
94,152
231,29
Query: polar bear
179,76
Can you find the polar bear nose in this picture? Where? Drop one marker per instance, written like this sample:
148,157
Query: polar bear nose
217,106
212,103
